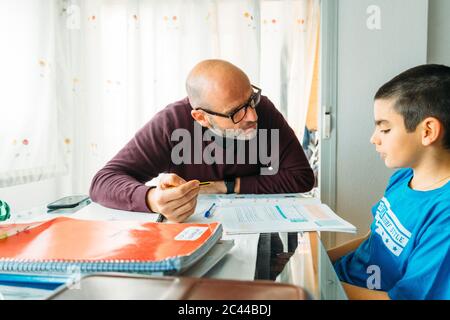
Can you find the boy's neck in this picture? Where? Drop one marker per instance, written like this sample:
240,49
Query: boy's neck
432,172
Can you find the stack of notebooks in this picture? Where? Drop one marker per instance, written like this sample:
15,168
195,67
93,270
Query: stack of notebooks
66,245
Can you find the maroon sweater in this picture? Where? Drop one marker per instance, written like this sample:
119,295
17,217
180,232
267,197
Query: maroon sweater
121,182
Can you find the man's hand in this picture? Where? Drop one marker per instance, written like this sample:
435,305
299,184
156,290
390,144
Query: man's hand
174,198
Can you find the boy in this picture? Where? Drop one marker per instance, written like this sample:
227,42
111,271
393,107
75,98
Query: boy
405,255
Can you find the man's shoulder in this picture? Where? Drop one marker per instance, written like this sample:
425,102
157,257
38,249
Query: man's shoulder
267,111
176,109
266,105
164,122
176,115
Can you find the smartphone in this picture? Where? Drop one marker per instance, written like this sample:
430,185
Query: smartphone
68,202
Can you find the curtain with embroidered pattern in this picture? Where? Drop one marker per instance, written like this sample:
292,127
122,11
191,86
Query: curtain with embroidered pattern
85,75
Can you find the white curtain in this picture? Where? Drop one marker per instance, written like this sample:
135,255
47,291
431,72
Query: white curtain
33,140
118,62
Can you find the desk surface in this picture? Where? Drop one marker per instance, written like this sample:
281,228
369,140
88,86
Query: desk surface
296,258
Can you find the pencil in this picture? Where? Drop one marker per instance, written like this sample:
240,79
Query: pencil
204,183
161,218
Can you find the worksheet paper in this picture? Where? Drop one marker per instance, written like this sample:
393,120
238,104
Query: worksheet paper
241,216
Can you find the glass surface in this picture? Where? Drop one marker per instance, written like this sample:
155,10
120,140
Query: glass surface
295,258
310,268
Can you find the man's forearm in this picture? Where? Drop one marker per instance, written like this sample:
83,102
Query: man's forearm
117,190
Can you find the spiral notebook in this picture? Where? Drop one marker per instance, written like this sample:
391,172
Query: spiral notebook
63,245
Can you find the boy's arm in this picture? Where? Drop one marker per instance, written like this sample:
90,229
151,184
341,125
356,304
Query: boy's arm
337,252
355,292
359,293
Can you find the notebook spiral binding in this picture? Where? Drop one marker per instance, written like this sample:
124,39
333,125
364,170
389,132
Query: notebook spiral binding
131,266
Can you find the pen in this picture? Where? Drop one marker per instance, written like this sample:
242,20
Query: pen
33,281
209,211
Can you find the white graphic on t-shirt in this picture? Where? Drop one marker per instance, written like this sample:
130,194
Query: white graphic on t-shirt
394,234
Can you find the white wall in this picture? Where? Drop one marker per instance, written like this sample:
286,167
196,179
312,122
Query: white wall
366,60
439,32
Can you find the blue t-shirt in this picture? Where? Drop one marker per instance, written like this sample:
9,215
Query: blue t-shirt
408,246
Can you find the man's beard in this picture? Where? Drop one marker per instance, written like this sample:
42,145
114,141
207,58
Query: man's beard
239,134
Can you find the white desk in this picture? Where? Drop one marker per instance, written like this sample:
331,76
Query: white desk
308,267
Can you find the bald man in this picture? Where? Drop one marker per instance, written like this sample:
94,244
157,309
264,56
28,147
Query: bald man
223,112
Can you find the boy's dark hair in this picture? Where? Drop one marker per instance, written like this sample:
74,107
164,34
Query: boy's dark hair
421,92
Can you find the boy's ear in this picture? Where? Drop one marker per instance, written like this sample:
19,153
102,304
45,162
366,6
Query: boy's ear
431,131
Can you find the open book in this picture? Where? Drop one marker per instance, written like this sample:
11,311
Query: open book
73,245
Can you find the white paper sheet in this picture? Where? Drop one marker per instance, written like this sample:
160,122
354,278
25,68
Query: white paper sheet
243,215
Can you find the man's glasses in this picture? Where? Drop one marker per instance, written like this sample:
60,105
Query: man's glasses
239,113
